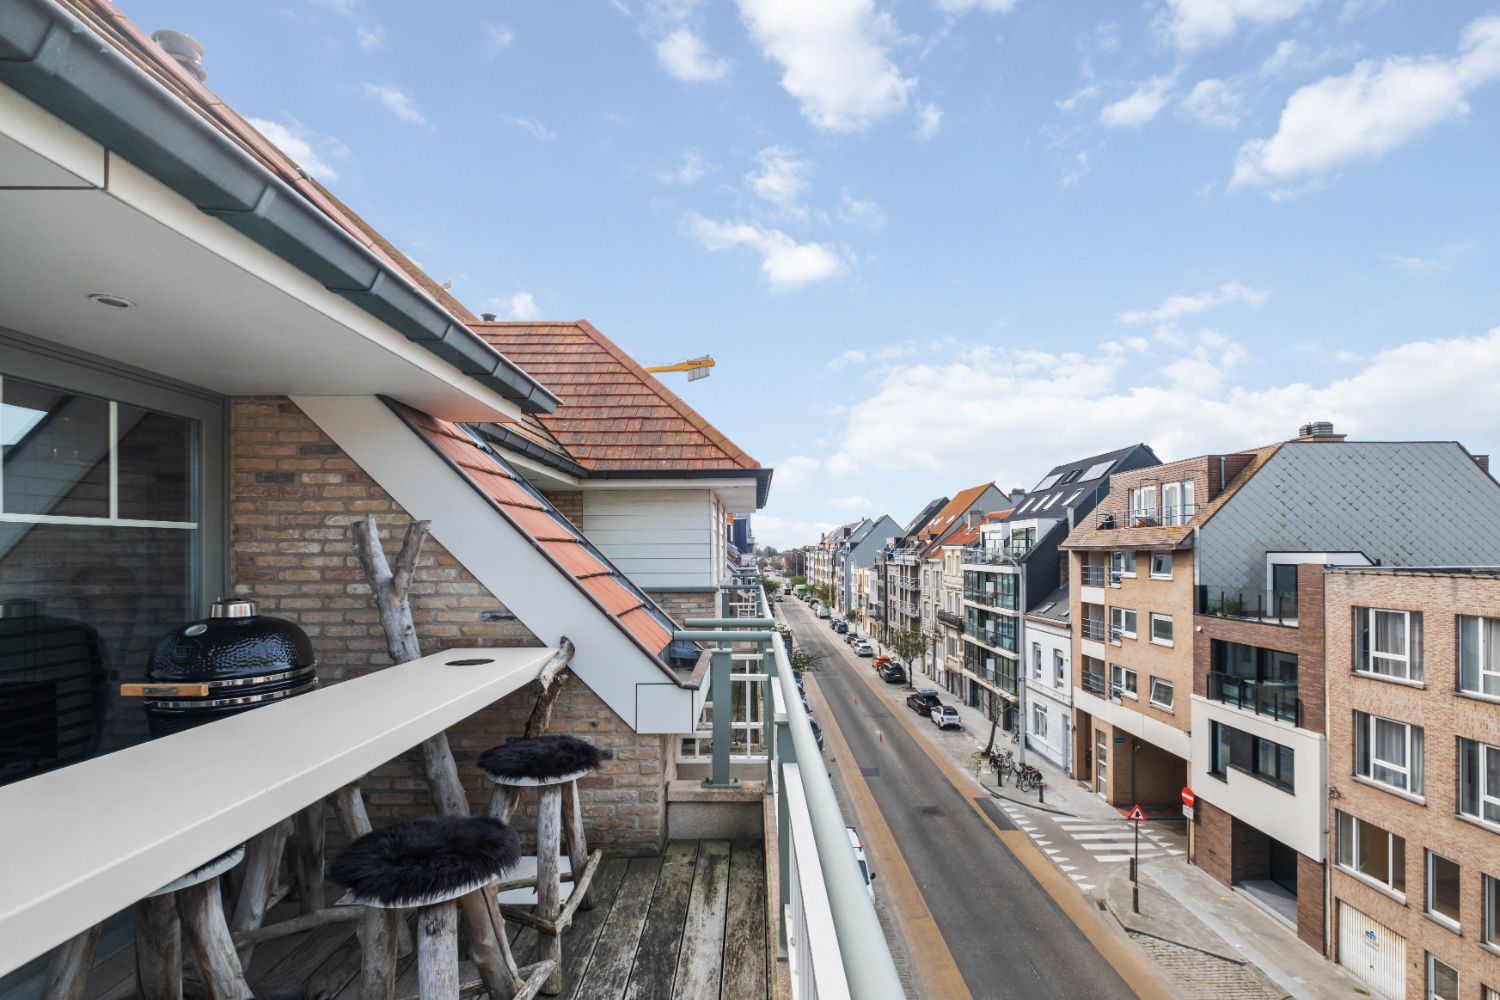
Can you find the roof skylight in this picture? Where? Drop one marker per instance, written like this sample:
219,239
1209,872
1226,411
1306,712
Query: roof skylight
1048,483
1098,469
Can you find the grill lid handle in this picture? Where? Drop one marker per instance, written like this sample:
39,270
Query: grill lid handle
232,607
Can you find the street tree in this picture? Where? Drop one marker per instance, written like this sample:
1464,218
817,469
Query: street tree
907,644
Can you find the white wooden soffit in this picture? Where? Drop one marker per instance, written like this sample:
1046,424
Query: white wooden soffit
634,684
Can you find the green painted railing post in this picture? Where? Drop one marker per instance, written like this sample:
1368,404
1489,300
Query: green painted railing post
720,687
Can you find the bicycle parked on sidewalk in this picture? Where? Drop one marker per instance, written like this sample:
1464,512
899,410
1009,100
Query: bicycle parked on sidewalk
1028,778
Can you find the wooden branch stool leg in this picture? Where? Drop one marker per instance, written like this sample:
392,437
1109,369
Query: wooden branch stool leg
377,946
262,859
437,951
202,910
158,948
549,879
578,845
69,966
308,858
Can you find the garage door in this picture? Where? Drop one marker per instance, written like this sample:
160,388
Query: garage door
1373,952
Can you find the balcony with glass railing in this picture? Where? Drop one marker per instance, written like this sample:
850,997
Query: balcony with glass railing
1274,607
1277,699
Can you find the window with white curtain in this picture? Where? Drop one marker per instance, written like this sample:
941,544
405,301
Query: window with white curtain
1479,655
1371,852
1388,752
1388,643
1479,781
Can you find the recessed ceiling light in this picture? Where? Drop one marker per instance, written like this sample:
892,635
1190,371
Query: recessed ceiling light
113,301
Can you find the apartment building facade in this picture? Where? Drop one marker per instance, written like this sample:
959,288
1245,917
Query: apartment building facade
1018,559
894,566
1413,687
1049,677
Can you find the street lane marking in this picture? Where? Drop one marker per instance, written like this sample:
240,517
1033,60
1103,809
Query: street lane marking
1116,949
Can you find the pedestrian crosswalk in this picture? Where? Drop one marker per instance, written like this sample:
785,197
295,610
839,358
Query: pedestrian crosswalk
1101,841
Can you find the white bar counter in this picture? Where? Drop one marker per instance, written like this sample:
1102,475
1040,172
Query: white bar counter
83,842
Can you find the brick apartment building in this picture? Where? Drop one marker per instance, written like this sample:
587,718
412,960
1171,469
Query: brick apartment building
1413,670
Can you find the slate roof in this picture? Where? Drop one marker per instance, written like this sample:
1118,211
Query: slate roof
923,516
531,514
1067,484
615,415
1055,607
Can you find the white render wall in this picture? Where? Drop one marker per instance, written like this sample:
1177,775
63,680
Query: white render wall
1057,701
658,538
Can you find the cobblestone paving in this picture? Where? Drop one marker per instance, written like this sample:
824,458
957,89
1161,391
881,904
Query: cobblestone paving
1199,976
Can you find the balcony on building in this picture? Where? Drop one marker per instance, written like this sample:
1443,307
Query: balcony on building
1095,677
1254,679
1274,605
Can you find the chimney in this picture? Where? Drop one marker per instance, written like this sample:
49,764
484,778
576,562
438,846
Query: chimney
1483,461
1318,430
1016,496
183,47
487,317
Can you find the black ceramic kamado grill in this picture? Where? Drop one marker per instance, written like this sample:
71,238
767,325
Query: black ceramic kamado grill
230,662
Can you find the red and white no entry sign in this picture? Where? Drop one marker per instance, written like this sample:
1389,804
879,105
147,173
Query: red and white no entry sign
1188,798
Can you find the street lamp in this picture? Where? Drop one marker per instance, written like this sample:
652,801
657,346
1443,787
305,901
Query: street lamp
1020,654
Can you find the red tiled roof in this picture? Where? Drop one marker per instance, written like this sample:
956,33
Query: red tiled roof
955,508
539,521
615,415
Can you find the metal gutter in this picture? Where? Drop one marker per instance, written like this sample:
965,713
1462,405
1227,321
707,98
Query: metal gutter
56,61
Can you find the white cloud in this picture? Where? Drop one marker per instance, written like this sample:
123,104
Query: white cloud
1081,96
310,150
1447,257
929,122
396,101
1139,107
788,533
498,36
689,171
1214,103
1288,53
835,59
1175,307
370,39
862,212
518,306
1076,170
783,178
852,505
785,264
796,473
1375,108
538,131
964,6
1082,403
1197,24
345,7
683,54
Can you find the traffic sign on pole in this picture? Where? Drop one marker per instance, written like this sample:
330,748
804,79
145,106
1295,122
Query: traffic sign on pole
1136,815
1188,798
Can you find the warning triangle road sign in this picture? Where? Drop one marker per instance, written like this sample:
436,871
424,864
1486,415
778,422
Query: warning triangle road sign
1136,815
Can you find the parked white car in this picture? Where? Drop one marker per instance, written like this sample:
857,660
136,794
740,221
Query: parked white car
946,717
863,648
864,866
822,611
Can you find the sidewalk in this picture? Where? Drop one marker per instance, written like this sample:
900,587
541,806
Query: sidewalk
1209,939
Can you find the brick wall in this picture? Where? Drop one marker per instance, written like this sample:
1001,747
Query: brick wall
688,604
1431,823
295,494
1306,641
1311,909
1213,841
569,503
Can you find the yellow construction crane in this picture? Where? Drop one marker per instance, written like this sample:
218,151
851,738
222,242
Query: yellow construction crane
695,367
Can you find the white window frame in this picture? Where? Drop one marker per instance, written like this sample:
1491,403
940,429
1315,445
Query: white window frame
1489,900
1156,702
1161,576
1488,672
1119,626
1487,796
1162,618
1123,681
1403,660
1353,868
1427,892
1121,564
1431,990
1059,669
1143,503
1039,721
1036,661
1409,771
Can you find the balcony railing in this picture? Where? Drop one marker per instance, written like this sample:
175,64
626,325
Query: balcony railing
949,618
1147,517
826,922
1094,576
1274,698
1094,628
1094,683
1249,605
995,555
991,599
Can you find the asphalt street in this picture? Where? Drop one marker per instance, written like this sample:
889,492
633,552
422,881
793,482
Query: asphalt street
1007,936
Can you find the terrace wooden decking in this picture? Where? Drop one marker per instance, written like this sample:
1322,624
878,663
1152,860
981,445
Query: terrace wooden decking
690,924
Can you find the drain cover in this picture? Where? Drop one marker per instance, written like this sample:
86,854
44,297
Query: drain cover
932,811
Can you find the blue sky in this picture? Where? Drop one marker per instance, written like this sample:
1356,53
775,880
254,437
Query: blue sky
934,242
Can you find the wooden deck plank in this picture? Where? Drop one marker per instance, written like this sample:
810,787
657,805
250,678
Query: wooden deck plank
609,967
297,967
745,924
661,937
700,964
579,942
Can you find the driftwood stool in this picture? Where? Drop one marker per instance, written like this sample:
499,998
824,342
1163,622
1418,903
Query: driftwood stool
428,865
552,765
194,903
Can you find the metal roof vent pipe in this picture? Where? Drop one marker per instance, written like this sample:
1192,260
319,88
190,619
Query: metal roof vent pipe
183,47
487,317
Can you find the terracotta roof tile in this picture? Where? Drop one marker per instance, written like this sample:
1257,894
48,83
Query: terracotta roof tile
536,518
615,415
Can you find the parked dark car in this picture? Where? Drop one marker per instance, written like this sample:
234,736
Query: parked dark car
894,673
841,627
817,731
923,700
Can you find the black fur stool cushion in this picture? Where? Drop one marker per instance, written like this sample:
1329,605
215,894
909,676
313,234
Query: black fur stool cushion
541,758
426,861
